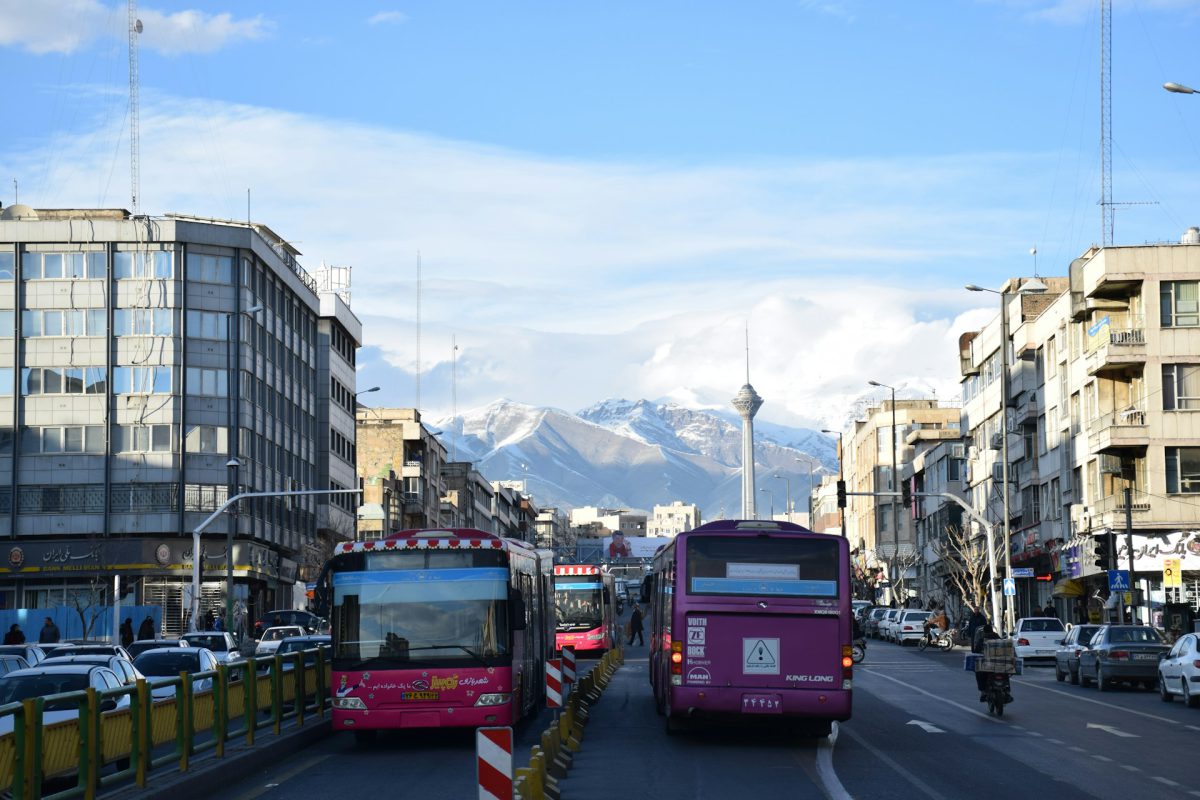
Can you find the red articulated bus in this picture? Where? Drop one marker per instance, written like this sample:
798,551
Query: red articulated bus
585,607
751,618
437,628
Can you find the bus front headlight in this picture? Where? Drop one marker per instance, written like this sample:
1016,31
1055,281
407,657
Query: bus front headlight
349,703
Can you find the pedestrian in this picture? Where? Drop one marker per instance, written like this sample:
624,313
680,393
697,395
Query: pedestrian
1050,610
127,632
14,635
219,622
146,629
976,620
635,625
49,633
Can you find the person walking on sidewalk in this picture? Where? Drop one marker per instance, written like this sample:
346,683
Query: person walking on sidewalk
635,625
49,633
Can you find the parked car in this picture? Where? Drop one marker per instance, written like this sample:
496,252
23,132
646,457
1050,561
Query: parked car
168,662
271,638
1066,657
290,616
888,623
1038,637
30,652
1122,653
1179,671
12,664
142,645
41,681
221,643
123,668
90,649
910,625
871,623
858,607
296,644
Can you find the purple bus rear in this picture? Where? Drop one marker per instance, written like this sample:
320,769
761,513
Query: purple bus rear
752,618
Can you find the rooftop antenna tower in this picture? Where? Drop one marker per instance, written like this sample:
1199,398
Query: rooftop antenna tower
453,394
135,156
418,401
1106,204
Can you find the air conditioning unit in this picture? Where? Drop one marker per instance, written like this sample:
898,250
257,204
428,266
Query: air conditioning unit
957,451
1110,465
996,442
998,473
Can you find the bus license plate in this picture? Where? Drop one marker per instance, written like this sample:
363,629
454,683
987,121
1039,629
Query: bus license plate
761,704
419,695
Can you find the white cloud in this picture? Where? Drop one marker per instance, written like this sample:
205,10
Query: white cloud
388,18
570,281
64,26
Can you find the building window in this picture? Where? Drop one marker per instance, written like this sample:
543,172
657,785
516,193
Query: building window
72,499
7,265
142,380
62,380
210,269
1181,387
65,322
206,325
144,264
132,497
1178,304
62,266
62,439
142,439
207,439
208,382
6,382
144,322
1183,470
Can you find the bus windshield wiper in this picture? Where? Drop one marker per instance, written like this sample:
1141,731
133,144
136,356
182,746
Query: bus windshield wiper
464,648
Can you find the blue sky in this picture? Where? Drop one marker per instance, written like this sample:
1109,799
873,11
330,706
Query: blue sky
605,194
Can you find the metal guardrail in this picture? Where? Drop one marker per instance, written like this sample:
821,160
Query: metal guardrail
151,734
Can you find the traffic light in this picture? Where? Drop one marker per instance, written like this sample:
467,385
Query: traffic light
906,494
1103,554
841,490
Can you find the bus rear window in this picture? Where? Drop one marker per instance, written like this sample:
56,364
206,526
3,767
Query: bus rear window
746,566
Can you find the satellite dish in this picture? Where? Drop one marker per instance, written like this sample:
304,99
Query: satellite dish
137,26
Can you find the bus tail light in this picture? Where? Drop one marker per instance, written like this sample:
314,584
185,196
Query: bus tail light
676,658
847,663
349,703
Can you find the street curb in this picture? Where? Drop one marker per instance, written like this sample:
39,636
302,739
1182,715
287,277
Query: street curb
209,775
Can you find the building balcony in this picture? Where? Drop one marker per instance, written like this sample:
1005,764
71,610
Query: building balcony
1115,346
1119,430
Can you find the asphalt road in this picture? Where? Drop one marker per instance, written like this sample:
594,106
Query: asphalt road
919,731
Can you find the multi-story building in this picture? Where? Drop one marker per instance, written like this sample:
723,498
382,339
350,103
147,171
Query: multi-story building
553,531
400,464
936,468
826,516
610,520
881,534
670,521
469,497
153,365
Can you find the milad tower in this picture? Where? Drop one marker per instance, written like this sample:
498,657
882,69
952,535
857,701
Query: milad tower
747,403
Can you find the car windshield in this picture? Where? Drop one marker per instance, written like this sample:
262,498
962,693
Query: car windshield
275,634
86,650
143,645
1085,633
215,642
14,688
578,601
1042,626
159,664
916,615
296,644
1134,635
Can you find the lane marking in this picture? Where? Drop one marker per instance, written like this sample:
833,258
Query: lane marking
1101,758
825,771
1077,749
1113,731
967,709
886,759
1164,781
1055,741
1191,727
284,777
1099,702
1131,768
1034,733
928,727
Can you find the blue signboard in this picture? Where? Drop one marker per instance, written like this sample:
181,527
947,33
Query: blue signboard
1118,580
1010,587
1022,572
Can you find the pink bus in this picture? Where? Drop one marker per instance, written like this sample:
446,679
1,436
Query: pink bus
437,628
585,607
752,619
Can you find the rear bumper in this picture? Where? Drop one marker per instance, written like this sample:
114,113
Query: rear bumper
1116,670
796,703
397,719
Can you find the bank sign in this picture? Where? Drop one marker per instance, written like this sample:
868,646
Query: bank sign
1149,552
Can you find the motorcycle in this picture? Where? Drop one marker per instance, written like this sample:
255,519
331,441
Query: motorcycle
942,639
858,650
998,693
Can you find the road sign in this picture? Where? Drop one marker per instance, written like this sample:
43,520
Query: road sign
568,664
494,763
554,685
1010,587
1022,572
1172,576
1118,580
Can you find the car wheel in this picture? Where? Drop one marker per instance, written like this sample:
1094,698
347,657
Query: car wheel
1163,693
1101,683
1084,680
1190,700
1059,675
1073,675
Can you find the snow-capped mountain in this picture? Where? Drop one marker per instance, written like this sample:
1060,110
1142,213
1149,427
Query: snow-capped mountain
635,454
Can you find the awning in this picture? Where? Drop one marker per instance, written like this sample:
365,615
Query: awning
1069,587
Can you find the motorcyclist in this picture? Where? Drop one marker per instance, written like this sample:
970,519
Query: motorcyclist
984,632
935,620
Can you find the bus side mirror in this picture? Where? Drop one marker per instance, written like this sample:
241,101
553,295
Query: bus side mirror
516,610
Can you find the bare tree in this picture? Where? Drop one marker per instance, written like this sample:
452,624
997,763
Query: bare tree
905,560
90,605
964,558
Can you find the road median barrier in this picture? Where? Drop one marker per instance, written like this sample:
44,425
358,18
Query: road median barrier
550,760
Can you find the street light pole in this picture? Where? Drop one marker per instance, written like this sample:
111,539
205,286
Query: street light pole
772,496
788,507
894,488
233,441
1033,286
841,511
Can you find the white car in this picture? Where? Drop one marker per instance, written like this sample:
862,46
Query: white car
220,643
56,679
1038,637
910,626
159,666
1179,671
887,625
271,638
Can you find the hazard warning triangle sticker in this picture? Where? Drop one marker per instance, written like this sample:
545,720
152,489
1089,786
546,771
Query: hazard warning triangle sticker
760,656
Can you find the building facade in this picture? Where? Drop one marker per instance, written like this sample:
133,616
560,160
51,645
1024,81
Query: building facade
151,366
672,520
400,464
